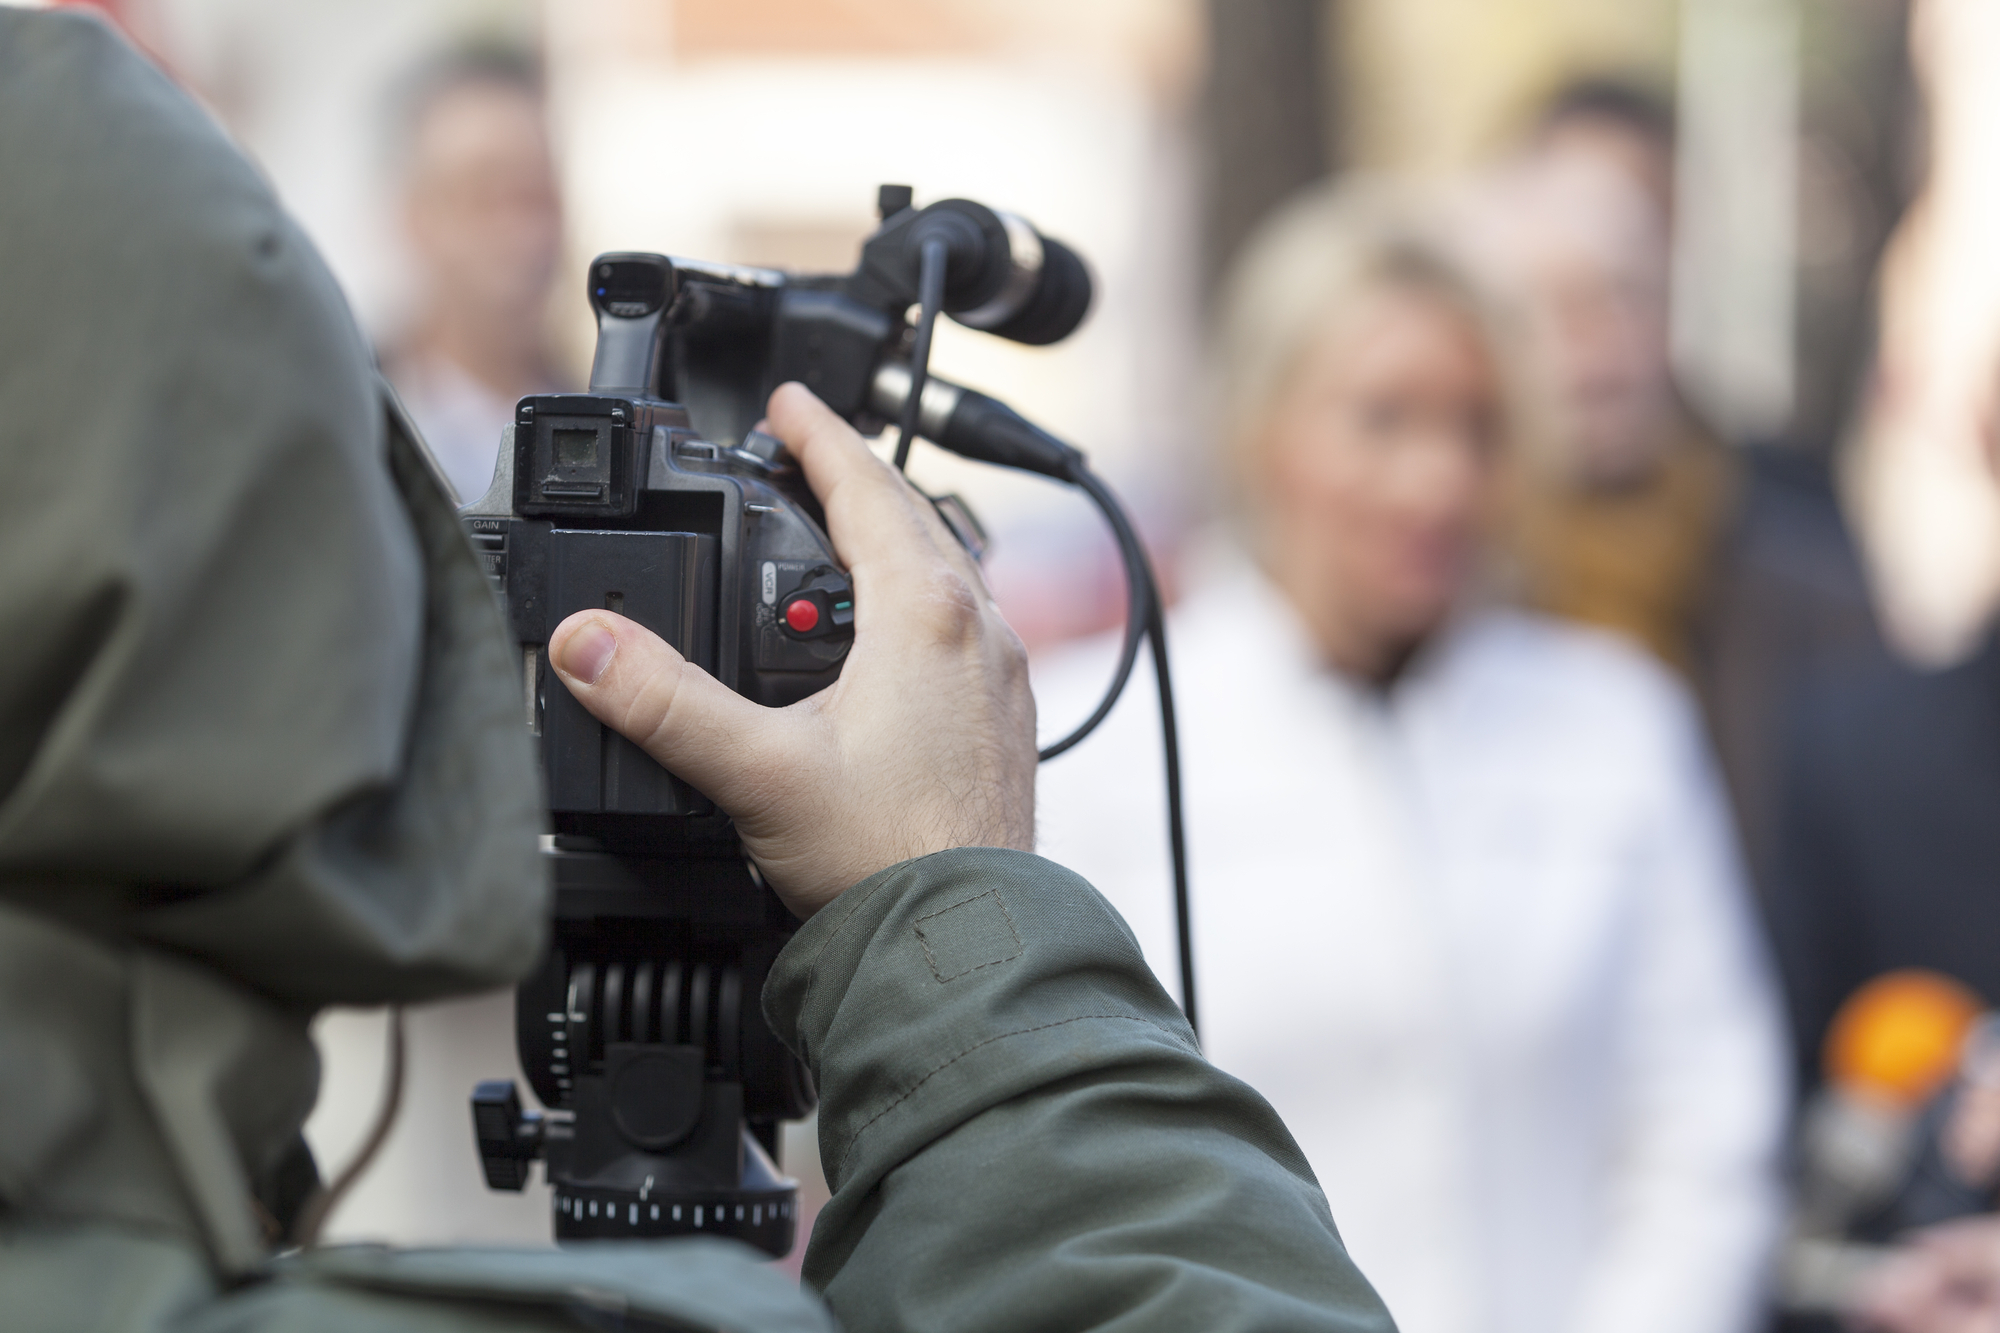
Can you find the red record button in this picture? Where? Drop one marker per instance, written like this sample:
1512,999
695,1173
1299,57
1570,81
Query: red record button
802,615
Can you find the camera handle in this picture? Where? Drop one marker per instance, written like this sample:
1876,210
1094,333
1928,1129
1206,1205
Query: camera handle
631,294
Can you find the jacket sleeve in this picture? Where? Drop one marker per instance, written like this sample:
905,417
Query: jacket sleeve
1019,1129
1694,1200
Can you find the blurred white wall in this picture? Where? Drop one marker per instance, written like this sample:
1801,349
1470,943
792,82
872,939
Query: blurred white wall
710,159
1437,85
1736,221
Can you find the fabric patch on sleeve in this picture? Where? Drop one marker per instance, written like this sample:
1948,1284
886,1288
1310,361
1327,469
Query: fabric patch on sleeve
969,935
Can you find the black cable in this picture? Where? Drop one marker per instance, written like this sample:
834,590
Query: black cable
1170,742
930,300
1147,619
1139,596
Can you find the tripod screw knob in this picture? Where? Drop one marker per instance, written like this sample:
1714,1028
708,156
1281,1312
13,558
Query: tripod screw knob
509,1138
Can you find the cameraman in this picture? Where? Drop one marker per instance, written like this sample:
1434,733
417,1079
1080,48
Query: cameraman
261,752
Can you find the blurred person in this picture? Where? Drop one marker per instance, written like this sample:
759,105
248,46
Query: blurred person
1466,902
1615,122
482,214
1623,496
1890,844
1732,565
1888,854
261,751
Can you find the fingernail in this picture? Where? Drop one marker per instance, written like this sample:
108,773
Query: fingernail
587,652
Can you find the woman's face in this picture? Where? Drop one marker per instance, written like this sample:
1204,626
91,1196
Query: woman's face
1377,470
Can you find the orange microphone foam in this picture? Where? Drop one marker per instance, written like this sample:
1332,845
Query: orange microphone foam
1898,1037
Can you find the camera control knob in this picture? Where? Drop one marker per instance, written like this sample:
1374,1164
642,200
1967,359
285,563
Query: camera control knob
509,1138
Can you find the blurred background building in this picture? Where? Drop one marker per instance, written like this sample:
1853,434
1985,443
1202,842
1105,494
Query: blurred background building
1834,294
1153,135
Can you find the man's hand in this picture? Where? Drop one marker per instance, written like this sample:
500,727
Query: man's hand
1945,1279
927,740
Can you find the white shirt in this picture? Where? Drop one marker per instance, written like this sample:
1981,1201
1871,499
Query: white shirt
1482,941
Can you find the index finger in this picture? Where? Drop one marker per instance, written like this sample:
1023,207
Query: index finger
872,514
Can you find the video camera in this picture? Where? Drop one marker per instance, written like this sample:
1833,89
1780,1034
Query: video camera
653,495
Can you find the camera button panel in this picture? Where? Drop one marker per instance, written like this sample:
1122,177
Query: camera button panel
804,616
822,607
489,543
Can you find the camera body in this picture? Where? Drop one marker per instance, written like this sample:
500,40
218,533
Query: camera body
618,504
637,1021
653,495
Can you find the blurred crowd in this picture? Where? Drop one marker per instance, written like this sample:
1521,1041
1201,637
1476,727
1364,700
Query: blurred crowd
1610,914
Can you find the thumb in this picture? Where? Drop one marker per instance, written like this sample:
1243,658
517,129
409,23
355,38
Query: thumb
633,681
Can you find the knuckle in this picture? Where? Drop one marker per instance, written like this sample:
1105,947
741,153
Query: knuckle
1012,652
955,613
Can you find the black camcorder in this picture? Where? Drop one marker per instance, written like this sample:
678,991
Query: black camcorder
653,494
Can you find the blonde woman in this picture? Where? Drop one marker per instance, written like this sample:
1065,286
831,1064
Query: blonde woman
1467,907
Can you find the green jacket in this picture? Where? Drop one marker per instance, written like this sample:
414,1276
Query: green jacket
261,752
1018,1129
